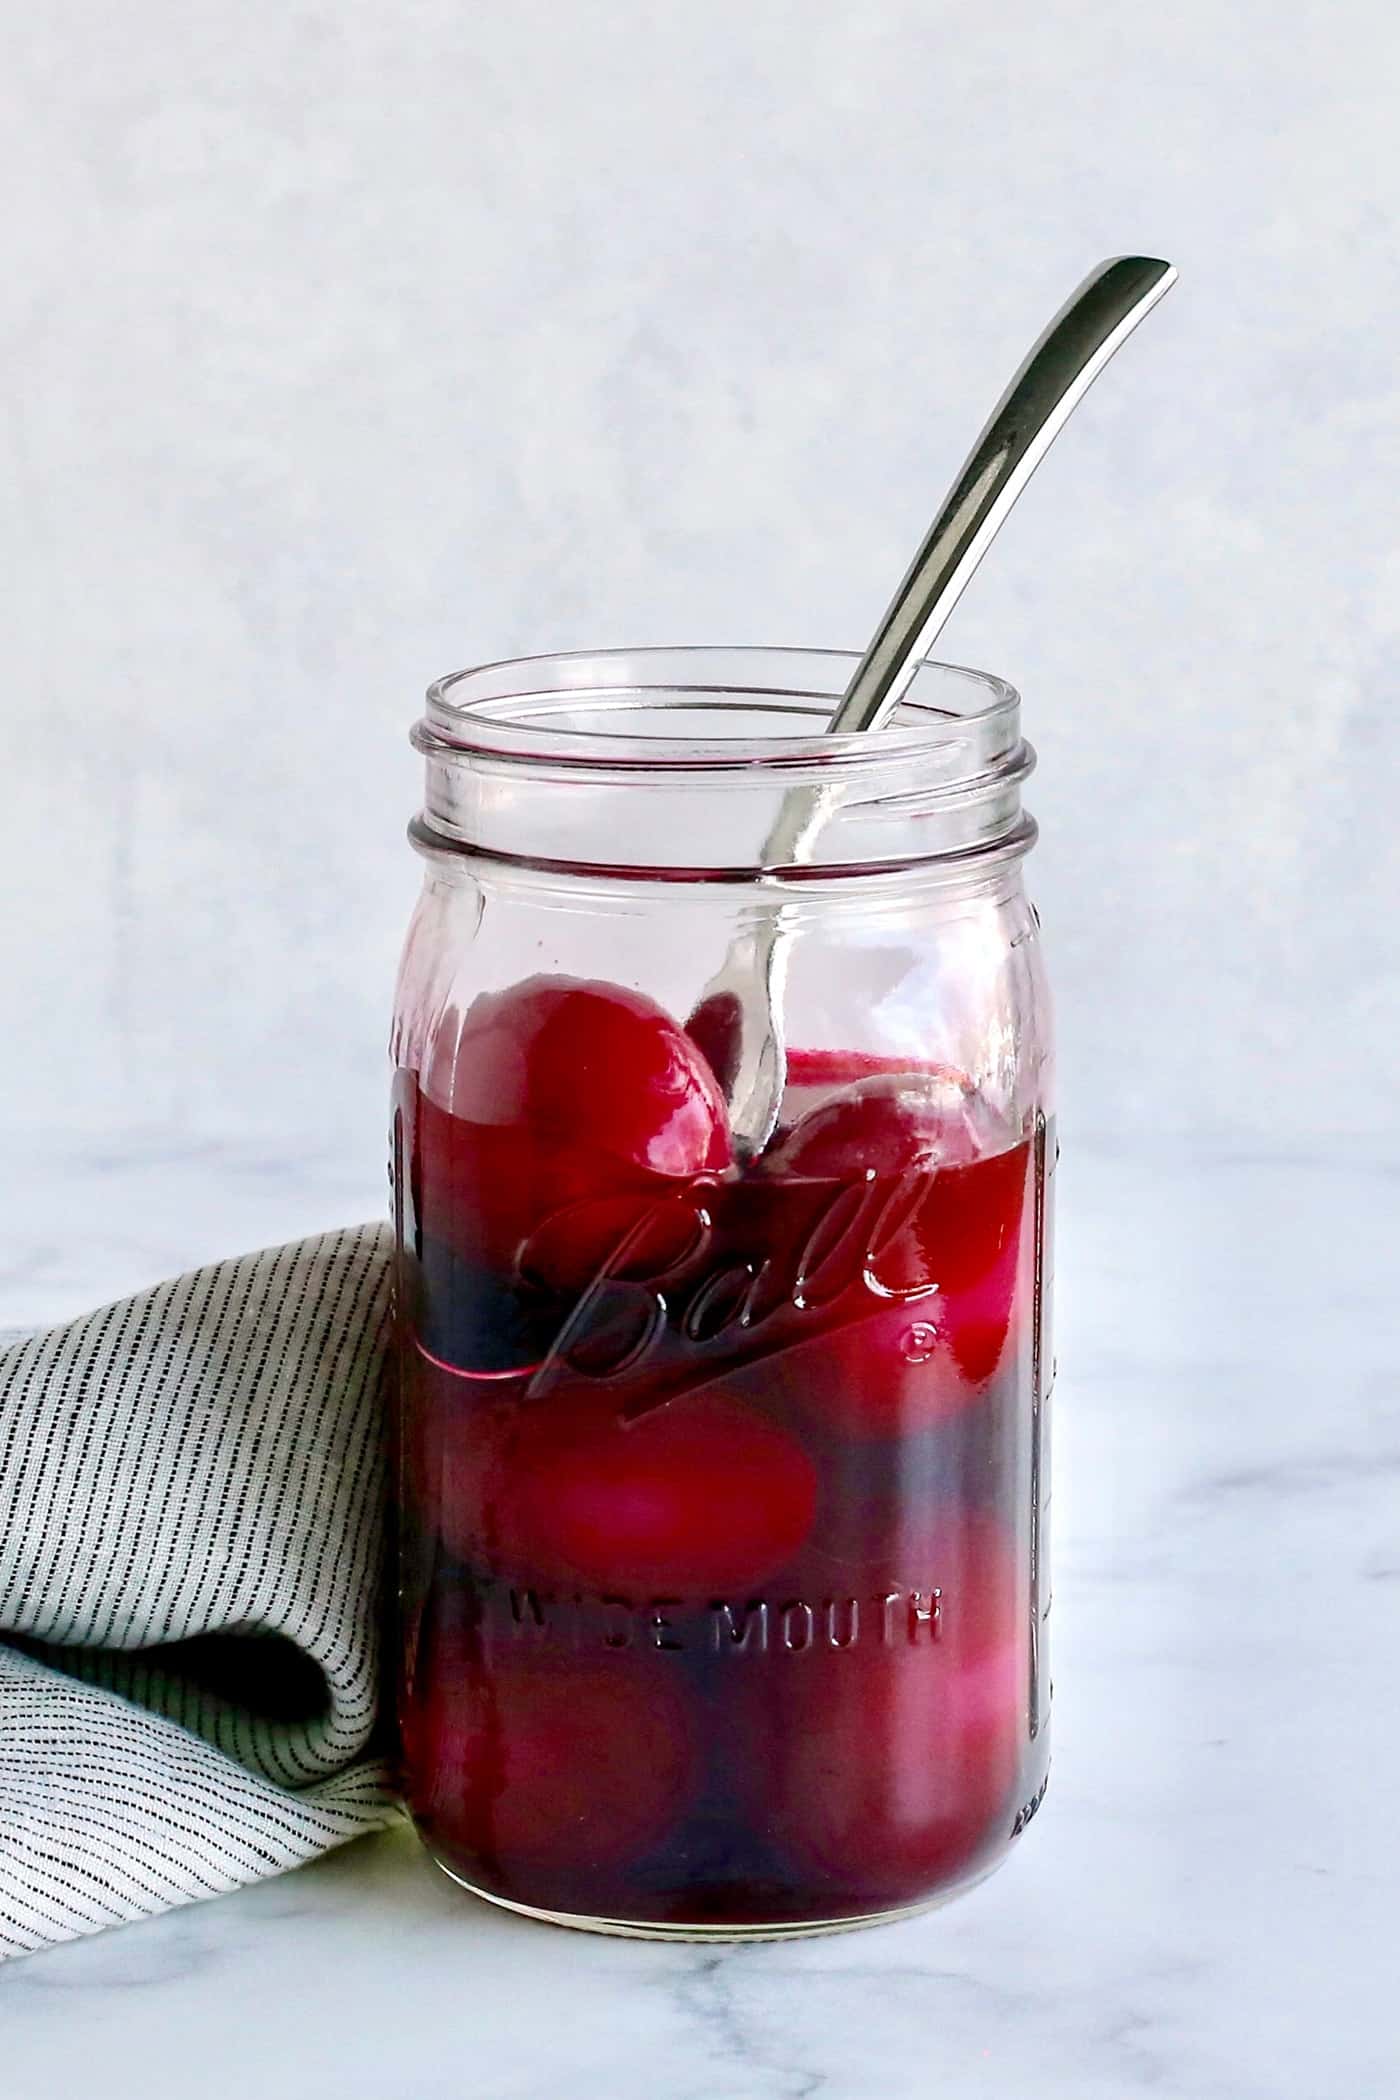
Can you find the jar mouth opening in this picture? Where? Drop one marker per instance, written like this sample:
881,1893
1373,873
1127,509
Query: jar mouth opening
710,710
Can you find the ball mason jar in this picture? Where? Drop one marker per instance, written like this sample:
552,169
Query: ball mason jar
722,1478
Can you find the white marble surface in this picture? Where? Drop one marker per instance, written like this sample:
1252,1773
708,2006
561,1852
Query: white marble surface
1206,1907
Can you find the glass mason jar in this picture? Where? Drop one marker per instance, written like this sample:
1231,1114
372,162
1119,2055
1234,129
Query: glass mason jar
722,1478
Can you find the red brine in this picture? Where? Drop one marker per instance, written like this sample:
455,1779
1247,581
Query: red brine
718,1596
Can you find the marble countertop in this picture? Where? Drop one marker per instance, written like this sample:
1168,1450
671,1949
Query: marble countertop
1206,1905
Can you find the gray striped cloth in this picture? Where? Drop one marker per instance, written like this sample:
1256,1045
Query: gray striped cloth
191,1538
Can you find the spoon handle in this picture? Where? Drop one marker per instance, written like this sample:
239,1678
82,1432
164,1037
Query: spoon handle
1046,390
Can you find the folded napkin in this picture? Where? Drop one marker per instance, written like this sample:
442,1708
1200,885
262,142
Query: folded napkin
191,1540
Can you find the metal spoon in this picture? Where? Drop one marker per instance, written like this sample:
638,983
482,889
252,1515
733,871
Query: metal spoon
739,1019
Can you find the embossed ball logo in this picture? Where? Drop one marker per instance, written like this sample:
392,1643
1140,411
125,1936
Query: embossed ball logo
661,1279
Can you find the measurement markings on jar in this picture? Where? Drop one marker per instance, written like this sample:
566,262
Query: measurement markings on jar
1045,1156
1023,1815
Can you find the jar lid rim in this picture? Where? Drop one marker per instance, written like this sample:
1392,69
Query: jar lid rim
499,712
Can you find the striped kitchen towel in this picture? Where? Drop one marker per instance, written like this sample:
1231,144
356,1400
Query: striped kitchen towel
191,1538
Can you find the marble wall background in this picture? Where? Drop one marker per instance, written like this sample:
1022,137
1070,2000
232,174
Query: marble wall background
347,343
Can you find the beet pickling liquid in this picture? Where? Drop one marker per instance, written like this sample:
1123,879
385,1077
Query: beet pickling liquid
712,1486
722,1481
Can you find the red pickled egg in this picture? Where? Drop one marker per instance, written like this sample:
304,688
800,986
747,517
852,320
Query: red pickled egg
892,1764
932,1322
548,1760
561,1108
701,1494
579,1063
888,1121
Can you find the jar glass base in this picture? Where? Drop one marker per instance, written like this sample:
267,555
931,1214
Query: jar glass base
806,1929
